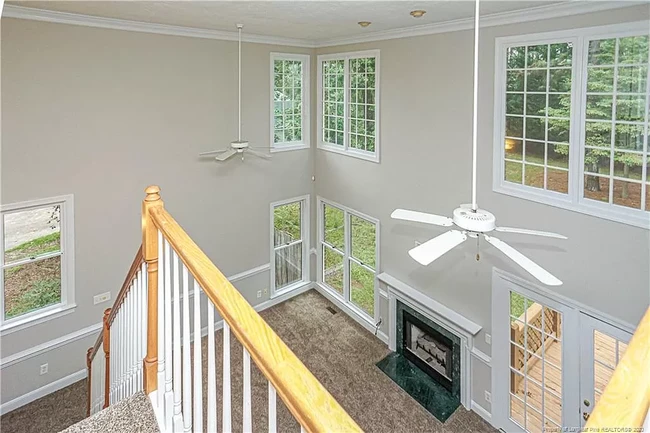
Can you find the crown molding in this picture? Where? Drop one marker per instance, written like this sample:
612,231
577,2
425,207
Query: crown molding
25,13
571,7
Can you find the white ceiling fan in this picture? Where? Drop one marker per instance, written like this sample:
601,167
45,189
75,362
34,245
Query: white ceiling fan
239,146
470,220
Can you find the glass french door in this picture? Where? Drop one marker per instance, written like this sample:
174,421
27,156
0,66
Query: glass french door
602,345
533,352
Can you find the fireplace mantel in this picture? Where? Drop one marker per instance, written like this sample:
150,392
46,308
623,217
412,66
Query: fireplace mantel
429,304
449,319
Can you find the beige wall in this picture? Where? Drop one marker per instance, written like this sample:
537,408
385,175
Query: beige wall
101,114
426,106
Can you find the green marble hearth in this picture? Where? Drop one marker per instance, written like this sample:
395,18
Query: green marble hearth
419,385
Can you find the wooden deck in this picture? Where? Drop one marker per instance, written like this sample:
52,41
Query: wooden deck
605,361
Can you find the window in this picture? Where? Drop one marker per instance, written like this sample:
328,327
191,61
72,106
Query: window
289,244
348,104
37,260
348,256
571,120
289,101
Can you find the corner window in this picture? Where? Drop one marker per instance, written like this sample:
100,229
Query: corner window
348,256
348,104
289,244
571,121
37,269
289,101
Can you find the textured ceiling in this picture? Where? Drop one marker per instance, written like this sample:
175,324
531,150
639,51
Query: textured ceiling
310,20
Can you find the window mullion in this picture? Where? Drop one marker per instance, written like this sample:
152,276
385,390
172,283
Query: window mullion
346,262
32,259
613,134
346,103
578,119
644,159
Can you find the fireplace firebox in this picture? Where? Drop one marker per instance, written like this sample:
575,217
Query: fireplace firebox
428,349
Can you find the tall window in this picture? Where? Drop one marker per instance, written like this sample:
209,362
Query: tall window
289,244
348,256
37,273
348,95
289,101
571,125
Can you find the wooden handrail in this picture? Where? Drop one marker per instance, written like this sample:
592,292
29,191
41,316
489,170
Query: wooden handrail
126,286
626,399
305,397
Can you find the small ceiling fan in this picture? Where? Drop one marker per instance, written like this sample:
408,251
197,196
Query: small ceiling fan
238,146
472,221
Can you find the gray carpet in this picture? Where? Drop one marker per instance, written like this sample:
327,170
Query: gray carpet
338,351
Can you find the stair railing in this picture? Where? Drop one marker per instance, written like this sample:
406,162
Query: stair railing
625,402
118,374
169,275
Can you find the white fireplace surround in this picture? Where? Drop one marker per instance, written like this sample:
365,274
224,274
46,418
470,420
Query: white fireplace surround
449,319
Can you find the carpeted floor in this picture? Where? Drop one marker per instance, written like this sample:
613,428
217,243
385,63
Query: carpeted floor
338,351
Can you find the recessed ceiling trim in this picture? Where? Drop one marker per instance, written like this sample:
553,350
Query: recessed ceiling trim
25,13
572,7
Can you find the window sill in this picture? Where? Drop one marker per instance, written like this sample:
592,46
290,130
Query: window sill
289,147
36,318
289,288
360,154
637,218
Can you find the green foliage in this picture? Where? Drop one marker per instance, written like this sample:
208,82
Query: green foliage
41,294
287,219
287,101
44,244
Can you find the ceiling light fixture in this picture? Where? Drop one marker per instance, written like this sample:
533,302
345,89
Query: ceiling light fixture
418,13
364,24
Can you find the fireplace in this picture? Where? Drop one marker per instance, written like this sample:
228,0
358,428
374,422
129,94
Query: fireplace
428,349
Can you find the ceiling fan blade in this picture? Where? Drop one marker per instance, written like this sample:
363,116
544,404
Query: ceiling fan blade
421,217
213,152
258,154
436,247
530,232
531,267
225,155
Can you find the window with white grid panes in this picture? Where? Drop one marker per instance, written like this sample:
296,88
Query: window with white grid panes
538,109
333,97
535,365
290,103
362,104
616,122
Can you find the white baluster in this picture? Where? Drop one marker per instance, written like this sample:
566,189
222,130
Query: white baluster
227,420
187,367
212,379
198,370
273,416
248,428
161,325
111,370
127,342
137,320
178,418
169,393
134,331
302,430
122,345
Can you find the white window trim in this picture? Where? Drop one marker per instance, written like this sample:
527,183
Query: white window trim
574,200
306,104
345,297
305,218
67,304
346,150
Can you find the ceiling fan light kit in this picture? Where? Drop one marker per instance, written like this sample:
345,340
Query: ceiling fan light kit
473,221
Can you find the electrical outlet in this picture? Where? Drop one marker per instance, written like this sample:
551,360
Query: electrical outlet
102,297
259,293
44,369
488,338
266,291
488,397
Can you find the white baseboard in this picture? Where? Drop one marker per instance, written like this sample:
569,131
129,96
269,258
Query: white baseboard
482,412
42,391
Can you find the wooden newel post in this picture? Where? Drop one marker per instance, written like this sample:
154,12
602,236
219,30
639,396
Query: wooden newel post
89,368
150,253
106,343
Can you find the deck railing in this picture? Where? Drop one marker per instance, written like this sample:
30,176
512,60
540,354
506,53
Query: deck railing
169,277
625,402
